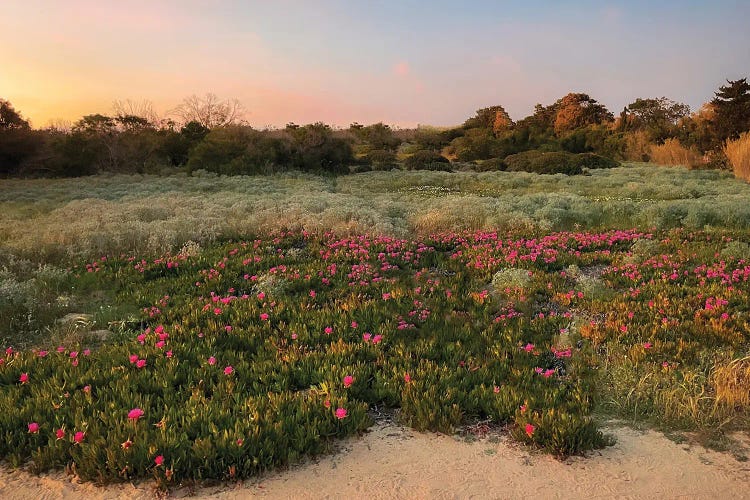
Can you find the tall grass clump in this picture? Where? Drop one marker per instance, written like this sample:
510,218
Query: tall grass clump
672,152
738,152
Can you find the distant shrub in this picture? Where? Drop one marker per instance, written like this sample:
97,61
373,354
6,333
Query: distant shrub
738,152
381,159
510,277
427,160
557,162
672,152
594,161
736,250
491,165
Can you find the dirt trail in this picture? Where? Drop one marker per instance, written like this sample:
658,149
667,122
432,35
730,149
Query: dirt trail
394,462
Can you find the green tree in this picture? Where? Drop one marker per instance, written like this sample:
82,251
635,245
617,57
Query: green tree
732,109
658,117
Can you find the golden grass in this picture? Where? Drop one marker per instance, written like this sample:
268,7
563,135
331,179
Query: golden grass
731,381
674,153
738,152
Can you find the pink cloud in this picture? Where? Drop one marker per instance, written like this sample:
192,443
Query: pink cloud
401,69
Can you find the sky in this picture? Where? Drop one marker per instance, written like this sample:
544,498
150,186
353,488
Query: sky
403,62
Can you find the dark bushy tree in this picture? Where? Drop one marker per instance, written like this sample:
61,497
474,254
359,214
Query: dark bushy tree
732,109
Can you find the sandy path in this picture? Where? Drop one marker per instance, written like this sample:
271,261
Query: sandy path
393,462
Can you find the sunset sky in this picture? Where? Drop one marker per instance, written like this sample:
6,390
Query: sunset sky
402,62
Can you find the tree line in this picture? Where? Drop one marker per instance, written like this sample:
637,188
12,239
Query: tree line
208,133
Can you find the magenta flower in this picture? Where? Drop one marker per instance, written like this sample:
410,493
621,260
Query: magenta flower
135,414
60,433
264,316
41,354
328,330
341,413
78,437
33,427
159,460
140,363
348,381
24,378
211,361
407,377
133,358
647,345
228,370
530,430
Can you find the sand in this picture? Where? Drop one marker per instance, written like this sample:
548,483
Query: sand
391,461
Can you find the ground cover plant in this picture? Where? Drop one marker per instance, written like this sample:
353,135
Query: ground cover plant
217,345
252,354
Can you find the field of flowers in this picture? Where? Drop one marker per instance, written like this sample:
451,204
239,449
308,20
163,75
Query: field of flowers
249,354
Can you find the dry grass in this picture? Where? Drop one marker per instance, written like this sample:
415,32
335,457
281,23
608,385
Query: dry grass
674,153
738,152
731,381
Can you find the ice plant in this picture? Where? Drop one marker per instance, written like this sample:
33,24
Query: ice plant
33,428
348,381
159,460
135,414
228,370
24,378
341,413
78,437
530,430
60,434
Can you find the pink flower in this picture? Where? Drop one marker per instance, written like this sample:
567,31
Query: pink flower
407,377
78,437
264,316
366,336
168,354
60,434
127,444
74,362
328,330
142,338
523,408
377,338
73,354
228,370
228,328
348,381
386,296
355,324
33,427
327,403
217,311
140,363
340,413
24,378
87,389
87,352
648,345
42,354
9,351
530,430
135,414
312,293
133,358
261,296
60,349
294,336
160,344
496,389
158,460
528,347
211,361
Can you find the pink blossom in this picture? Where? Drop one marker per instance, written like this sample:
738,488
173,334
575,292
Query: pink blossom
328,330
228,370
341,413
647,345
264,316
496,389
211,360
530,430
348,381
159,460
407,377
42,354
24,378
312,293
528,347
79,436
60,434
133,358
169,354
140,363
135,414
354,324
33,427
377,339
